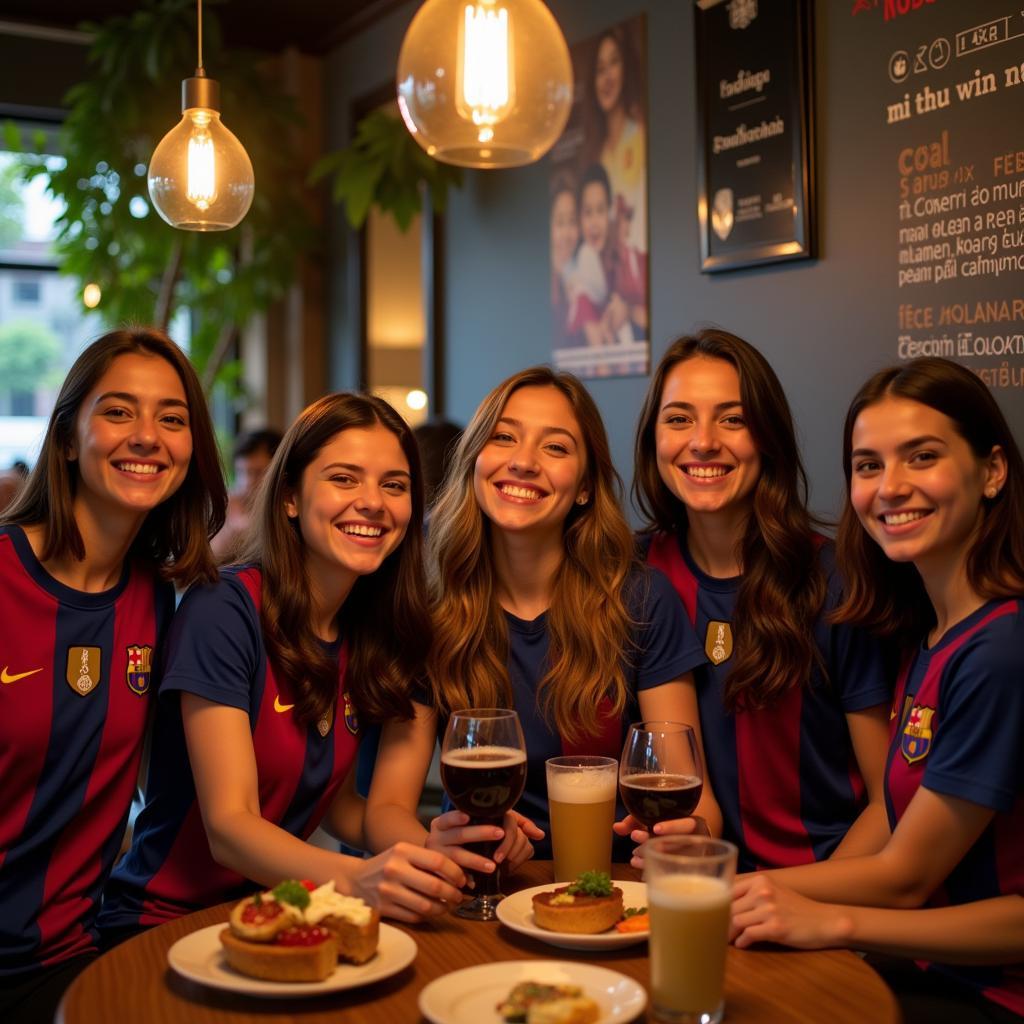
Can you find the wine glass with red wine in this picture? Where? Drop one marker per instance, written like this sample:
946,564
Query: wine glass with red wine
660,774
483,769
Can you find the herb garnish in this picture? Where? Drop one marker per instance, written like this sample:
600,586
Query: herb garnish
291,892
591,883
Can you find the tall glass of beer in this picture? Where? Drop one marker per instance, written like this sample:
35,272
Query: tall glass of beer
581,801
483,770
689,892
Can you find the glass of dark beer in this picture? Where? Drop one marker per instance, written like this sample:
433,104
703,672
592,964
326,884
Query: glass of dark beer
483,769
660,774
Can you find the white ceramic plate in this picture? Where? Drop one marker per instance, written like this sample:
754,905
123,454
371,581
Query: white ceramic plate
516,911
199,957
470,996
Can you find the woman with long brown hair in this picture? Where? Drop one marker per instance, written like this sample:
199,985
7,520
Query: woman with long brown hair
793,709
120,505
539,605
932,540
269,674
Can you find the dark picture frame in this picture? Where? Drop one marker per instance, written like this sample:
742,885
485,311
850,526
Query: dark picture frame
755,127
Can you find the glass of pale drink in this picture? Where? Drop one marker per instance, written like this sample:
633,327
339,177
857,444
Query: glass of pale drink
581,802
689,893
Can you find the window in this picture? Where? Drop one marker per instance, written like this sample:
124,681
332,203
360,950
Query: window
26,293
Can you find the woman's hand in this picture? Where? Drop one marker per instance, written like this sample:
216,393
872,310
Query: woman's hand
408,882
450,832
629,826
763,910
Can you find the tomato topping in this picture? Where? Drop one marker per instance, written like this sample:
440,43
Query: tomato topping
261,913
302,935
308,885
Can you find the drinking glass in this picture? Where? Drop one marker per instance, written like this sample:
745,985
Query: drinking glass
483,770
581,802
660,774
689,893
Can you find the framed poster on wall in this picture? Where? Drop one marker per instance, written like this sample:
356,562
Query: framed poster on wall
755,132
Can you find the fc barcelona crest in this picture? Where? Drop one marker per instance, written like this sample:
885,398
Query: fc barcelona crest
718,642
84,665
351,719
917,734
138,669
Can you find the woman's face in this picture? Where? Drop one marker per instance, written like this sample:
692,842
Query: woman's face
916,485
132,440
608,75
706,456
354,503
532,468
565,229
594,215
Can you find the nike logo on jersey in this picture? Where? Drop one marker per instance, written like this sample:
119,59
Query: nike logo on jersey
8,677
278,706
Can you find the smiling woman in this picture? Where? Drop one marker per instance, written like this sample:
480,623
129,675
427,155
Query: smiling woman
270,672
127,490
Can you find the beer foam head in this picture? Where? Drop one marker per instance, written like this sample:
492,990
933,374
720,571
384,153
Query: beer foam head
584,786
481,757
688,892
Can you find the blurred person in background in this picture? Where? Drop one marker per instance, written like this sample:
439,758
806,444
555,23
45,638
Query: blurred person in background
252,454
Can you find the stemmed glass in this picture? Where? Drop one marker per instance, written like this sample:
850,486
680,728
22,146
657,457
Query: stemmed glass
483,769
660,774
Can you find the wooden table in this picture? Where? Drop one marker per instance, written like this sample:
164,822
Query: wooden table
134,983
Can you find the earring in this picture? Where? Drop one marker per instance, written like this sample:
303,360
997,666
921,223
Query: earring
991,492
581,500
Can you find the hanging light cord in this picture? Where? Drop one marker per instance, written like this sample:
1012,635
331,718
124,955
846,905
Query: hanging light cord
199,10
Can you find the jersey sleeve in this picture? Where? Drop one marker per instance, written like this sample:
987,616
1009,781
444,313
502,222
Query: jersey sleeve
979,739
214,647
666,644
855,660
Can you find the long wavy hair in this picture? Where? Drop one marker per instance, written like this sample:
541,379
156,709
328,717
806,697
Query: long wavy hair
386,618
889,597
632,99
588,620
783,587
175,535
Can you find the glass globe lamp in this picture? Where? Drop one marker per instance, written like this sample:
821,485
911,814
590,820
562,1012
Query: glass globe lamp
484,83
200,176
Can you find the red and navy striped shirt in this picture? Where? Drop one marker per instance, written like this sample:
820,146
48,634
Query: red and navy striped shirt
75,679
215,650
958,729
785,777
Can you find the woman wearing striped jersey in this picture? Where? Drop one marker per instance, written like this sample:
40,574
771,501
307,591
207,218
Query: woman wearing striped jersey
270,671
540,605
793,709
121,504
932,540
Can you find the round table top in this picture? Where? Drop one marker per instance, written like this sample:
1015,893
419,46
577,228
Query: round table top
133,982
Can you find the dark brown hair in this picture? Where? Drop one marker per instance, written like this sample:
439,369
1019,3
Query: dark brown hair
176,534
783,586
889,597
588,620
385,615
632,99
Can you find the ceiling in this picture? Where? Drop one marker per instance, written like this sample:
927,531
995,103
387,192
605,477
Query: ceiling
314,26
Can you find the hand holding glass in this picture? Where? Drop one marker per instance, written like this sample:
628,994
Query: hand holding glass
483,769
660,775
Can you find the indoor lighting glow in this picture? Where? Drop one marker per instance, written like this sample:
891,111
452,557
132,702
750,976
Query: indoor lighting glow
416,399
485,83
200,176
91,295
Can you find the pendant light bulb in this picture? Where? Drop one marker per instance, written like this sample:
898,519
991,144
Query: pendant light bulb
200,176
485,83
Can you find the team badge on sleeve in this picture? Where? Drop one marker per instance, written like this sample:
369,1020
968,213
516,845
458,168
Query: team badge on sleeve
138,669
351,719
917,734
83,675
718,642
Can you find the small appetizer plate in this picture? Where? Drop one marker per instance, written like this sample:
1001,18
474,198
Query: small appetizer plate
199,957
516,912
470,996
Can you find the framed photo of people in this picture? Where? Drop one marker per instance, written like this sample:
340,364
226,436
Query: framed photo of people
755,132
598,211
